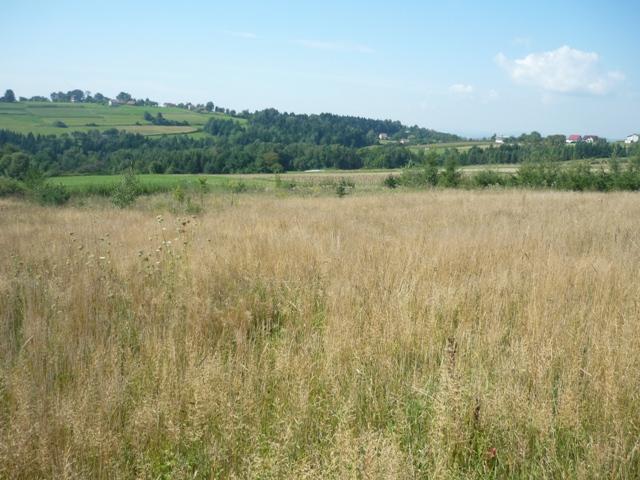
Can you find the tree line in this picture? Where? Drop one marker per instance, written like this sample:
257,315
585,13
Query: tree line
84,96
270,125
113,151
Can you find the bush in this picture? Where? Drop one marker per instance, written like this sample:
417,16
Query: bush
59,124
11,187
50,194
538,175
344,187
451,176
126,192
488,178
391,181
238,186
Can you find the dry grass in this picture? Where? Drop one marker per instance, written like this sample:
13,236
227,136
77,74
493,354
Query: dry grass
434,335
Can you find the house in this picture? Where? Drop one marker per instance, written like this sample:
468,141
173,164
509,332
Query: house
383,136
499,139
590,138
574,138
634,138
404,141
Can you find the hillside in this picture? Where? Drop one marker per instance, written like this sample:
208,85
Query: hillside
56,118
42,117
270,125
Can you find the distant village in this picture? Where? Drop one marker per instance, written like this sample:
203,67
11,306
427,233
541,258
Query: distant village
576,138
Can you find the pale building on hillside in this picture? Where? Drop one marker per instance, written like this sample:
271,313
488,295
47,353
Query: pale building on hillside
634,138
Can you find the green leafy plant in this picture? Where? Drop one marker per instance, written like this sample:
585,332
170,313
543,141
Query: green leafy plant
127,191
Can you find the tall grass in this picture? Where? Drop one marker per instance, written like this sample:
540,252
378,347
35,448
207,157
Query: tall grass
450,334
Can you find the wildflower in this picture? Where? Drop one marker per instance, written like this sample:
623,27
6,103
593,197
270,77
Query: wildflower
492,453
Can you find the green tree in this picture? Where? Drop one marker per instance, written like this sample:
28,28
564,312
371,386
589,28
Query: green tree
450,177
127,190
17,165
9,96
123,97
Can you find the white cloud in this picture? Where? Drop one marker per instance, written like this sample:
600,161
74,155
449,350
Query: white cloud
565,70
335,46
461,89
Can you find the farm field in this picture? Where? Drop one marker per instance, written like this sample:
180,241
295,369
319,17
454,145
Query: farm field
436,334
363,178
461,146
39,118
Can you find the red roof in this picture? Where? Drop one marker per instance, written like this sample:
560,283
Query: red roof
575,138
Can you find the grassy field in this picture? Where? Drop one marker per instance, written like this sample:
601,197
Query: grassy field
461,146
362,179
157,182
441,334
367,179
39,118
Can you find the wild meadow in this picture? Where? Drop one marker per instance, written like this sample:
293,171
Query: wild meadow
432,334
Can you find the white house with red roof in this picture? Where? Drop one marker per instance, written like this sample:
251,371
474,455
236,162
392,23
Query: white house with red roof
575,138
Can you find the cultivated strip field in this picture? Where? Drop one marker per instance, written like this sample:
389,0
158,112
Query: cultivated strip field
442,334
41,118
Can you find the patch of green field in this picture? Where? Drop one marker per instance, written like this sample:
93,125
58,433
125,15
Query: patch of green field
40,117
461,146
104,184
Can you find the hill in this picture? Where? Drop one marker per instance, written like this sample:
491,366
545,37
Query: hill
273,126
55,118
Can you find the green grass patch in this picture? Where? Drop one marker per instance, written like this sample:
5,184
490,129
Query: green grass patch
158,183
40,118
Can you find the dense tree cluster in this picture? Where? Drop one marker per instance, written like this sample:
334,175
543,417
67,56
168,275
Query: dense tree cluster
519,152
325,129
160,120
8,97
112,151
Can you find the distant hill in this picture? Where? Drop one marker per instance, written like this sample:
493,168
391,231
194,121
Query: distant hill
64,137
324,129
47,118
56,118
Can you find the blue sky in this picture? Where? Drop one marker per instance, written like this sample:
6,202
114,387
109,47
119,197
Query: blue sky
472,68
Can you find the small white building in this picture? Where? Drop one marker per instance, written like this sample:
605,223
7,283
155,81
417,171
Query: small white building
632,139
499,139
383,136
590,138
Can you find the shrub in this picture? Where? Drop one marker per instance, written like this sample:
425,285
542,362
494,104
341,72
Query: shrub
11,187
50,194
344,187
59,124
238,186
451,176
488,178
391,181
126,192
538,175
